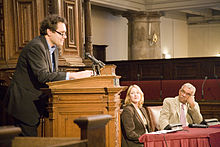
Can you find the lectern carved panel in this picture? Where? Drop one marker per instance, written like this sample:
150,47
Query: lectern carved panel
71,99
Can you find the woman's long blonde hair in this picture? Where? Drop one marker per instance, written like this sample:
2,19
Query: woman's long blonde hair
128,98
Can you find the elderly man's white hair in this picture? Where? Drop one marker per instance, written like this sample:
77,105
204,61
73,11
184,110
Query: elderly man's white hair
190,86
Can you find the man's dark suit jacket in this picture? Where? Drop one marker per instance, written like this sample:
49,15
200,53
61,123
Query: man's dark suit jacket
33,70
132,126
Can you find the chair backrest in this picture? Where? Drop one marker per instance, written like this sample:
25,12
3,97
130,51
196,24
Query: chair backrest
154,114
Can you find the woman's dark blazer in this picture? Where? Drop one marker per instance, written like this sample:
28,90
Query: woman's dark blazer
132,126
33,70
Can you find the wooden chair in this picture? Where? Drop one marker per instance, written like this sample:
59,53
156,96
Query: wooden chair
154,114
7,134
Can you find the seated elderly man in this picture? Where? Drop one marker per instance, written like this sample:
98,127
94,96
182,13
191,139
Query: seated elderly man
182,109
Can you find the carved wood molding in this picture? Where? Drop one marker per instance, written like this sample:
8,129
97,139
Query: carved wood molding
22,24
25,18
71,53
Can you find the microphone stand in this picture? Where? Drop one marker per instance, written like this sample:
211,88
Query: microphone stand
97,64
161,88
96,69
203,87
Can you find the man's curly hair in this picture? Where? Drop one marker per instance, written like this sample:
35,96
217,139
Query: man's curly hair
51,22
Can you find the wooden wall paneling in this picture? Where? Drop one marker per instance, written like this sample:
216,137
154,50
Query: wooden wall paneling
133,71
71,13
150,70
206,68
9,34
71,53
123,70
168,69
21,24
2,34
41,13
51,7
186,70
26,24
210,109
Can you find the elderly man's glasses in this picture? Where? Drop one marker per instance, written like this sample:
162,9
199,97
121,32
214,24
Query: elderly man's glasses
62,34
184,92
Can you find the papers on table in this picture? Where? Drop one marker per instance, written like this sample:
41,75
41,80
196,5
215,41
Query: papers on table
166,131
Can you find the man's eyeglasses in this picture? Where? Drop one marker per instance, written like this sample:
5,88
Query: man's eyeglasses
62,34
184,92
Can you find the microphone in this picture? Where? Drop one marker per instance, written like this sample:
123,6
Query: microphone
161,88
203,86
198,126
94,60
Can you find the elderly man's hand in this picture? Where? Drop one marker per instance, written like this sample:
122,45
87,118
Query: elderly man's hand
191,101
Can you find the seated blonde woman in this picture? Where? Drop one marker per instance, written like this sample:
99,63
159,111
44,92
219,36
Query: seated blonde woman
134,118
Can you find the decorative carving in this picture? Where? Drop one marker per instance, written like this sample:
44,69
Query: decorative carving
71,13
25,22
49,7
71,53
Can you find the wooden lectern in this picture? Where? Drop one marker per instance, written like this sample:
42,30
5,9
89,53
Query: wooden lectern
71,99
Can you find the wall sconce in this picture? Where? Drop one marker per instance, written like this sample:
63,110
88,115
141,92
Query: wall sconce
152,38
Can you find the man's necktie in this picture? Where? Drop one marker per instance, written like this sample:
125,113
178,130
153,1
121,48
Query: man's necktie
53,63
182,116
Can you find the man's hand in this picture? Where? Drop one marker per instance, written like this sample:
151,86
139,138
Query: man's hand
191,101
81,74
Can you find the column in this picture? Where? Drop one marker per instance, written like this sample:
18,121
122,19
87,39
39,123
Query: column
144,36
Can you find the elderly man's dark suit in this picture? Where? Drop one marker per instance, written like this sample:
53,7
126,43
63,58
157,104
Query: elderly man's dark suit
132,126
33,70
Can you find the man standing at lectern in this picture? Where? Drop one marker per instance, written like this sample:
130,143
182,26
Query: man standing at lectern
37,64
183,109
